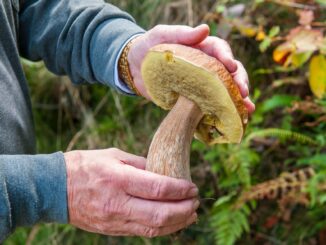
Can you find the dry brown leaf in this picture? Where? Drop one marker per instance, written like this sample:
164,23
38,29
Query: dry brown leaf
305,39
289,185
317,122
299,41
307,107
305,17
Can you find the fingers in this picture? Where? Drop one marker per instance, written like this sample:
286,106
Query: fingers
198,38
162,231
219,49
249,104
130,228
240,76
178,34
135,161
147,185
157,213
127,158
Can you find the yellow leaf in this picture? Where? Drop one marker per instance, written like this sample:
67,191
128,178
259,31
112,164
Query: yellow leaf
300,44
317,76
299,59
260,36
322,46
248,31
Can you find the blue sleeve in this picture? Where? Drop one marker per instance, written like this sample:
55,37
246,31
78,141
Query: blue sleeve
79,38
121,85
32,190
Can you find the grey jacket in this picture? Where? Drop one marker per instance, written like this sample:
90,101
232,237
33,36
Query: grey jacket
79,38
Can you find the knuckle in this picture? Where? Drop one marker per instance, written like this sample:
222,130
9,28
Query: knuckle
225,44
150,232
239,65
184,190
108,208
158,189
158,28
125,207
158,33
111,209
156,219
160,218
114,150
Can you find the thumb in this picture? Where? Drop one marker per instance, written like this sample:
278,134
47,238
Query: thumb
179,34
133,160
127,158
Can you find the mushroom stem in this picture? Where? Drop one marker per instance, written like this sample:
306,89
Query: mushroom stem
169,152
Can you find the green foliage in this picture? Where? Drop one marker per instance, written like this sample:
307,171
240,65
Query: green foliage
281,134
230,222
317,161
278,100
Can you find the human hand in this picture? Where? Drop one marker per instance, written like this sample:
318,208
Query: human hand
195,37
109,192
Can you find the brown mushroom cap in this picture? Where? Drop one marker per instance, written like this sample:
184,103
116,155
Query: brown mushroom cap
172,69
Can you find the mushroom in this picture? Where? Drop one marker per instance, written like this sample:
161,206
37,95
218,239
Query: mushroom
204,100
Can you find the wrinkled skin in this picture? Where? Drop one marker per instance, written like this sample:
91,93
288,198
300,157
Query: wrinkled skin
195,37
109,192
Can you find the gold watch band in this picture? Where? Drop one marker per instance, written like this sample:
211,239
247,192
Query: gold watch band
124,70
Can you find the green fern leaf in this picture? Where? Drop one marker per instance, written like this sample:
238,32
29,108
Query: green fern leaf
281,134
228,222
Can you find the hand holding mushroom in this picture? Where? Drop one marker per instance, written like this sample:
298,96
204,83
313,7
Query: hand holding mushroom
200,90
130,201
193,37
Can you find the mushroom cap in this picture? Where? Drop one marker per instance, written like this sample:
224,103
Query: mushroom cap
170,70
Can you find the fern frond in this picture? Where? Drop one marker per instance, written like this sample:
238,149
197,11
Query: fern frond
229,222
288,184
282,134
238,164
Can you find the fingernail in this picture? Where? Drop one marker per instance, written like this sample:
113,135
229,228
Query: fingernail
196,204
193,192
201,25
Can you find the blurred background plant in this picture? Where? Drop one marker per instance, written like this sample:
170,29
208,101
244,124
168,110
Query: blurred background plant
267,190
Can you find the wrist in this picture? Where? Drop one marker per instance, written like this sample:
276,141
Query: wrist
125,72
136,54
71,159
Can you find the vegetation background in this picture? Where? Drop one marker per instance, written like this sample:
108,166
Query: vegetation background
267,190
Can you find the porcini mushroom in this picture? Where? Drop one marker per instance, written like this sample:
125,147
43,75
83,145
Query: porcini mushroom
203,98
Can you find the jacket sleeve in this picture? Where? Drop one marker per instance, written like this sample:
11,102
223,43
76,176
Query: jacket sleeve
32,190
79,38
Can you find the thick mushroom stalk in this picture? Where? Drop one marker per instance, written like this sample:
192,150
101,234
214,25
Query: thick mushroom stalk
169,152
204,99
